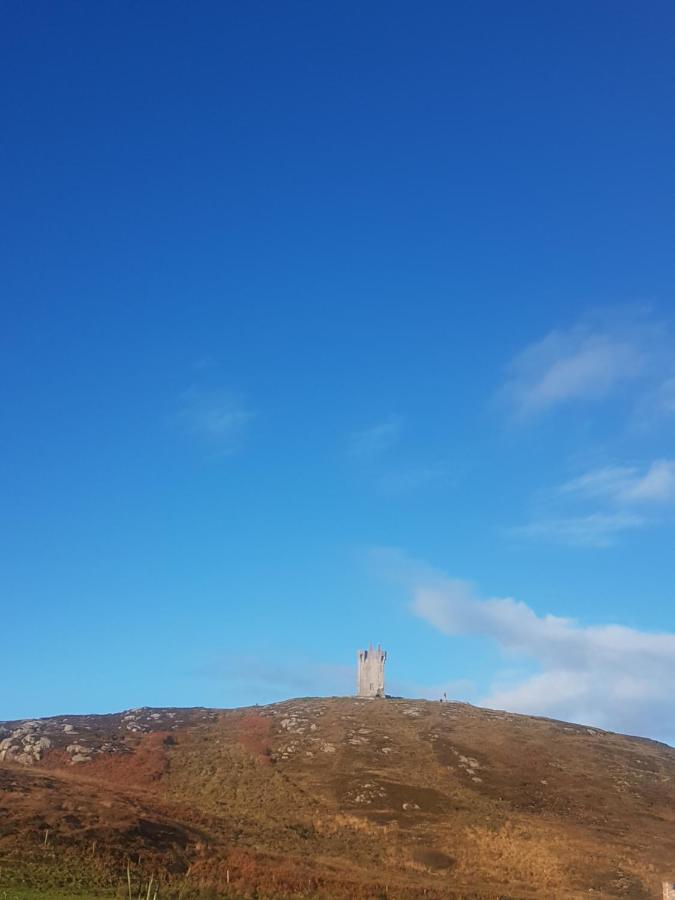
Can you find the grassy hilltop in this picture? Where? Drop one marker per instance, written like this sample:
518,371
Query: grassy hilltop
332,798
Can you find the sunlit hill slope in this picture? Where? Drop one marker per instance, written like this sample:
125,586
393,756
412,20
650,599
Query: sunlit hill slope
332,798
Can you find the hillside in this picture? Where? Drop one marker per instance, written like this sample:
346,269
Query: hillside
333,798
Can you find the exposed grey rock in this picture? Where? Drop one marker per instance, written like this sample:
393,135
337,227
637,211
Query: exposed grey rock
80,758
26,759
76,748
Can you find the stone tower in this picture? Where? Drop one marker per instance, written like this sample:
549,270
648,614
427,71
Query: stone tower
370,677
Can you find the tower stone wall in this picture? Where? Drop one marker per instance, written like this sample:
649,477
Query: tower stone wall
370,672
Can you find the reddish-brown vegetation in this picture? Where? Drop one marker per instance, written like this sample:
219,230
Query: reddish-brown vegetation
338,798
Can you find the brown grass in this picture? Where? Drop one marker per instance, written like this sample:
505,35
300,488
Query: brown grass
340,798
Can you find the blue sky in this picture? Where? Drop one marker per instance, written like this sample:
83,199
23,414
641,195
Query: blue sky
331,323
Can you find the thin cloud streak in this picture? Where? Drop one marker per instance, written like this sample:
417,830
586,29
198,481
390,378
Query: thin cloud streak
376,439
279,678
591,530
579,364
629,498
667,395
215,416
626,485
589,362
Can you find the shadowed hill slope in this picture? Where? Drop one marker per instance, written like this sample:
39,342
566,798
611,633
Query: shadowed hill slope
334,798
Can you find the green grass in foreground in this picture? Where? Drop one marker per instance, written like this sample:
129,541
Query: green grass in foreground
16,893
25,893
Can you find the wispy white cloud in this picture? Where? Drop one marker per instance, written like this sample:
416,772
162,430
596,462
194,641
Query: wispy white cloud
377,438
627,485
593,359
579,364
372,447
598,529
666,394
655,408
601,483
625,498
606,675
626,352
216,416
